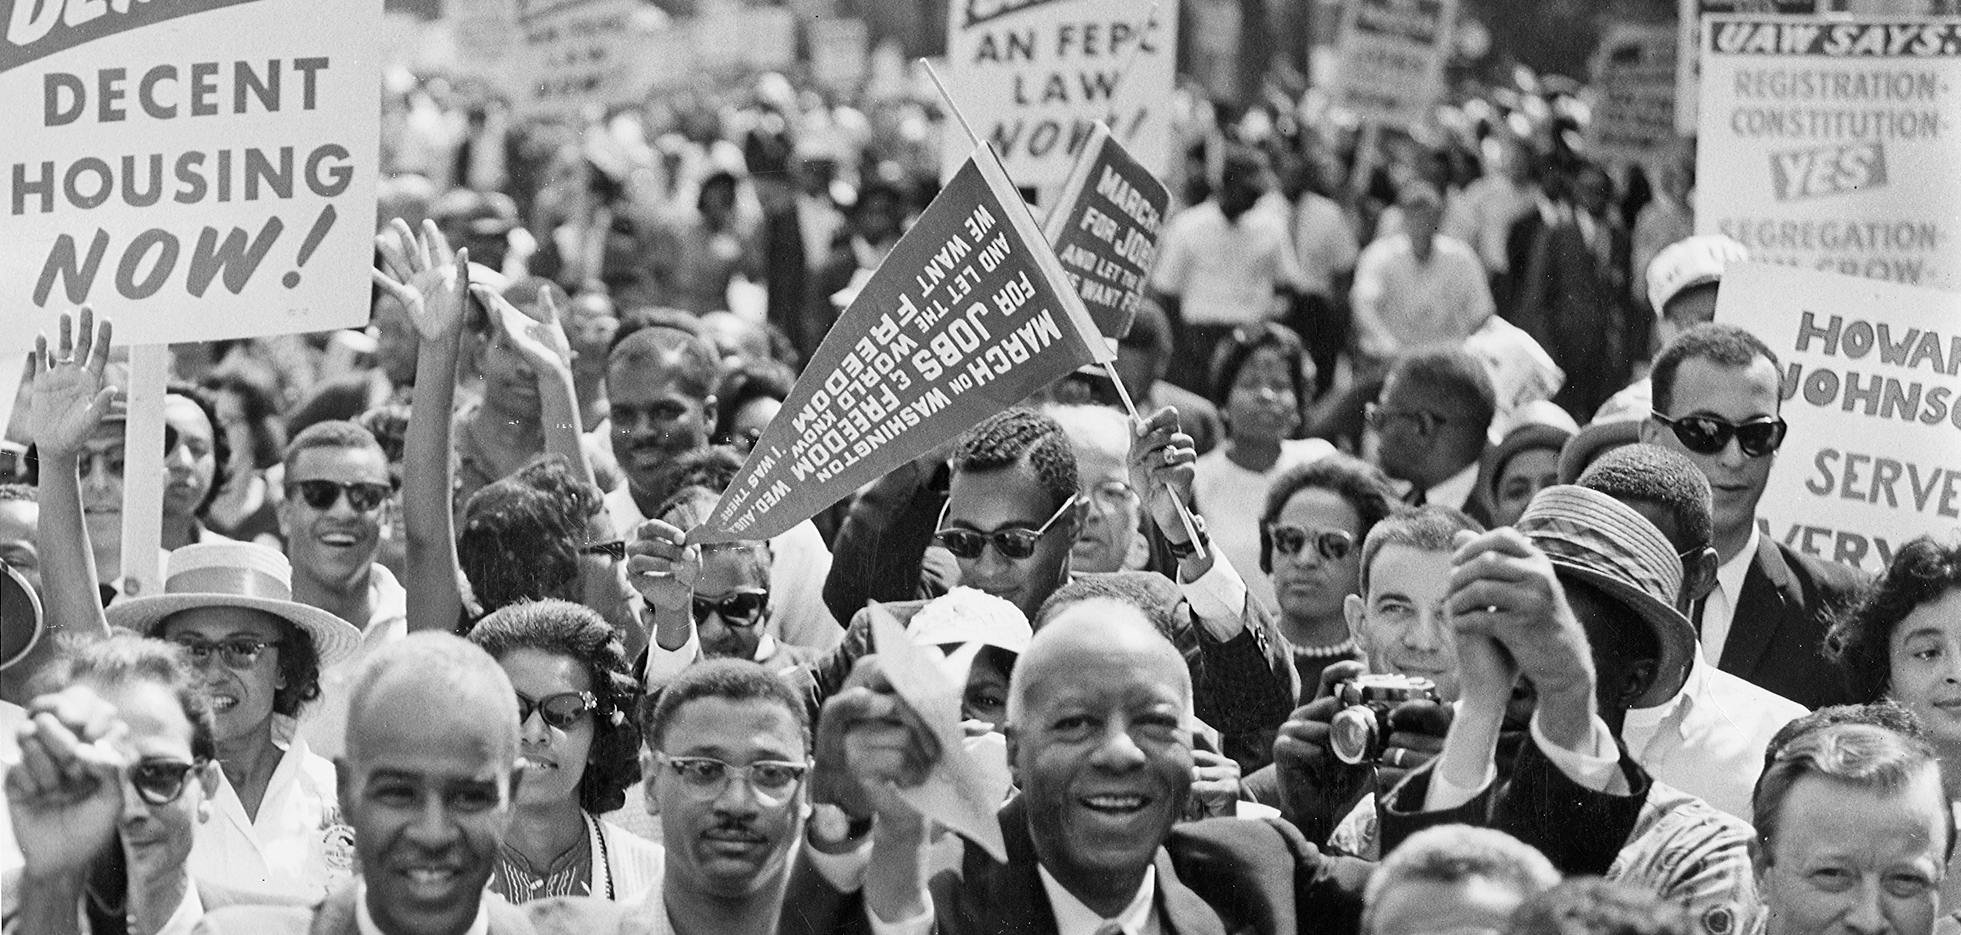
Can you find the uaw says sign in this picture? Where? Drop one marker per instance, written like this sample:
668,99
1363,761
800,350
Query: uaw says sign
198,169
1832,144
1104,229
1872,392
968,314
1033,77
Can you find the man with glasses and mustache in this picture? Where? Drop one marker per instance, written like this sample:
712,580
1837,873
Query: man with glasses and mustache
337,488
116,773
1716,398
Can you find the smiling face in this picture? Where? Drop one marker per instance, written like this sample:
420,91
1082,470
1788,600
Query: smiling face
428,790
1263,403
1401,623
655,420
242,699
735,842
1738,395
334,547
1856,860
1924,653
157,838
1311,587
555,757
1010,498
1099,746
193,464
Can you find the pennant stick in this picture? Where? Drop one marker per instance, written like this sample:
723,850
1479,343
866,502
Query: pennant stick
1184,512
951,107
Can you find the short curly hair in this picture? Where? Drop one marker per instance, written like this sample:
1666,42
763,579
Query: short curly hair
562,628
1006,439
1361,484
728,679
1921,571
1233,351
1656,475
521,535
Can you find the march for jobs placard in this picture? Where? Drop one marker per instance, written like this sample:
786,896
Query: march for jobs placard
1832,145
1104,229
968,314
1872,392
1034,77
197,169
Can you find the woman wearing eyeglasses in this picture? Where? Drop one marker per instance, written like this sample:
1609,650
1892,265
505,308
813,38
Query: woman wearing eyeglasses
579,746
1317,517
168,776
1262,381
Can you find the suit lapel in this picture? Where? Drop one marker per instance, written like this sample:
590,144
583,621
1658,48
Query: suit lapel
1760,610
1180,909
1020,903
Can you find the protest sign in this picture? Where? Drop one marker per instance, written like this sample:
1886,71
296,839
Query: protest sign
486,36
1832,144
1033,78
1634,88
735,38
1688,25
1392,59
1872,393
577,55
840,48
968,314
962,792
1104,229
199,169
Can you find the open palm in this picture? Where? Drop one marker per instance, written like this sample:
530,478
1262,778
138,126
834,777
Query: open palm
68,394
430,281
542,343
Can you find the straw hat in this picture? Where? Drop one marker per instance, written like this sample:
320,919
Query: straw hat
1605,543
237,574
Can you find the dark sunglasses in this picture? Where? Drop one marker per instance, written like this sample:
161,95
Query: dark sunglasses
1708,435
160,782
364,497
1013,543
239,653
741,608
1331,544
614,549
561,710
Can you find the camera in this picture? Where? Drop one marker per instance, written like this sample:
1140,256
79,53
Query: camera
1359,732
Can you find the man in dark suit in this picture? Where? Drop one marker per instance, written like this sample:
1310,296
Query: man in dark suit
429,784
1716,398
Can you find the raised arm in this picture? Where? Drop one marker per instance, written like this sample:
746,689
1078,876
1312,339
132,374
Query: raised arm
543,346
434,287
67,398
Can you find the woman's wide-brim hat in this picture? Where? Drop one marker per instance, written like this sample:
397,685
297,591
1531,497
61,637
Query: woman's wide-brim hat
237,574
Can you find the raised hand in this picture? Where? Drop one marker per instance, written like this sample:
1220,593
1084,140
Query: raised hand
66,796
431,282
68,395
1161,471
1215,786
541,343
869,743
662,568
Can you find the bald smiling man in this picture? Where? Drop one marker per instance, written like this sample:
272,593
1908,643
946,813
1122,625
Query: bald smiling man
1100,745
428,784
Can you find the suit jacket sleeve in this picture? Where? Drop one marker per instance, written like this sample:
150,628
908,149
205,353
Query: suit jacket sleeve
1243,687
827,675
878,551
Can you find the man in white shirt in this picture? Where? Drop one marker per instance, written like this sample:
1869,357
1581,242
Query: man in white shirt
1482,214
1708,739
661,384
1716,399
1434,421
1418,287
337,484
1222,264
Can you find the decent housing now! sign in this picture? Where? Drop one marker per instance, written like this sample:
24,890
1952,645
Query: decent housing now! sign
198,169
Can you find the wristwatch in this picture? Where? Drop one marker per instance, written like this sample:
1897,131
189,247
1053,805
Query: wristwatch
1185,550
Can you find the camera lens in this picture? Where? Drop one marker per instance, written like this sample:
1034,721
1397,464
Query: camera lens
1352,736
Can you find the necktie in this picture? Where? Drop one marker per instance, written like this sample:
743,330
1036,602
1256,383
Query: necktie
1417,496
1109,927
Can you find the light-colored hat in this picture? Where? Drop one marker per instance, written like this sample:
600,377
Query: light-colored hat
964,621
1605,543
237,574
1690,262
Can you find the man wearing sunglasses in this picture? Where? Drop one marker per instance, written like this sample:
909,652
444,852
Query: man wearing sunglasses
338,491
110,827
1716,398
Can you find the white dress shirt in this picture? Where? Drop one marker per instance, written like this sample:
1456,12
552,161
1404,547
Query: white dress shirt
1324,241
1226,272
297,846
1140,917
1402,303
324,722
189,910
800,561
1709,740
1454,491
1719,609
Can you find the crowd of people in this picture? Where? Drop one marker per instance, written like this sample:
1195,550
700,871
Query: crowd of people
1443,651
